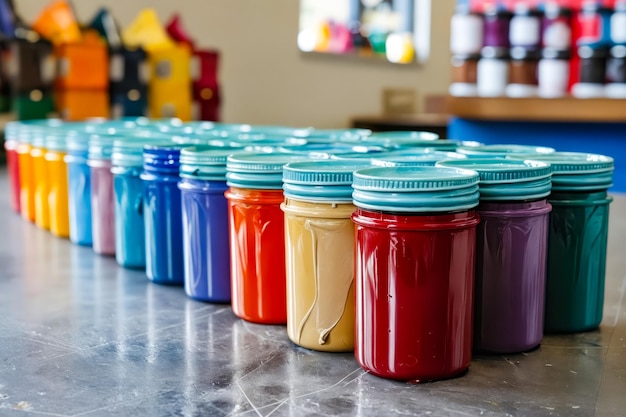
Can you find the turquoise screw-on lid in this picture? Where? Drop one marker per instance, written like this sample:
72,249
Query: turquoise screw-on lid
337,135
321,180
328,150
38,136
56,139
101,146
413,140
128,152
507,179
205,162
575,171
413,158
501,151
416,189
263,171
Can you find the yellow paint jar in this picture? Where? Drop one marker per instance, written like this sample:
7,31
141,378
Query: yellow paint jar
319,249
56,168
40,179
27,186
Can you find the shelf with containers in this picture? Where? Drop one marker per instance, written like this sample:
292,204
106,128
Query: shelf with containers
539,48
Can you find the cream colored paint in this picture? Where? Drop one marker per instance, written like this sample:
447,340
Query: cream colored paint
319,249
265,79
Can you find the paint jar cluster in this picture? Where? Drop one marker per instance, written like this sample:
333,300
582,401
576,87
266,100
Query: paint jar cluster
411,251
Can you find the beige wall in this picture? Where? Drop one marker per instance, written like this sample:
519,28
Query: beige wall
265,79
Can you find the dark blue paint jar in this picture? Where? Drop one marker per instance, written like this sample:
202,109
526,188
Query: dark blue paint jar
127,161
79,188
206,246
162,214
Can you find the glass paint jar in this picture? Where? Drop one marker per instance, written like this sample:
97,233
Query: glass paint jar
497,28
40,177
618,23
511,252
492,72
79,187
525,28
464,75
466,32
127,165
553,73
523,75
257,236
577,240
616,72
13,162
206,247
162,214
319,252
27,179
556,27
592,72
102,196
56,170
415,253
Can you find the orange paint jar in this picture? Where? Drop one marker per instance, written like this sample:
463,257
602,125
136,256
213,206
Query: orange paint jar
257,236
40,179
56,169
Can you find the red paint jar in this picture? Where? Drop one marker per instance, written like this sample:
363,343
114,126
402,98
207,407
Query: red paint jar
13,167
415,257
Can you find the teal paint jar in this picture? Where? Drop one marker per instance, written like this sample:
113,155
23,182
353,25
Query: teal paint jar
577,243
127,166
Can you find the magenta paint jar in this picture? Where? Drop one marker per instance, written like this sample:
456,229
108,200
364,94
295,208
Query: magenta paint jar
102,194
511,253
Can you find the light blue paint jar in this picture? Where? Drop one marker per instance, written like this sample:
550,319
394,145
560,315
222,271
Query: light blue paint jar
127,165
79,186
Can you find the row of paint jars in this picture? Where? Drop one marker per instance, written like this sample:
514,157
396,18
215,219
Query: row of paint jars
415,240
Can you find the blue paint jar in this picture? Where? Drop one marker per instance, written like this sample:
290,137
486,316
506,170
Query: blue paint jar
162,214
206,247
79,187
127,163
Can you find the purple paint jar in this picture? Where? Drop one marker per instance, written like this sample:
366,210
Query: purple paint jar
511,253
102,194
496,28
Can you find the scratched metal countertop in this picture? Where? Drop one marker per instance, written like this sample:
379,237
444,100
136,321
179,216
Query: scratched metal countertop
80,336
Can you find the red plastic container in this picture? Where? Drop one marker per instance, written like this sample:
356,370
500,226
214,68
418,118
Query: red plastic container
13,166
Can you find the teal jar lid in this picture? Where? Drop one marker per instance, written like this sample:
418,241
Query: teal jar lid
413,158
205,162
258,170
38,137
128,152
576,171
276,131
406,134
501,151
413,140
101,146
321,180
56,139
337,135
416,189
507,179
328,150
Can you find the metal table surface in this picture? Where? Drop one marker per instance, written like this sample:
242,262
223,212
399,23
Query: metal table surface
80,336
